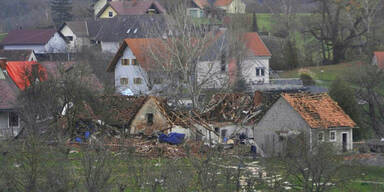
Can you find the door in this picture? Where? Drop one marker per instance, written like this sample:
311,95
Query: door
345,138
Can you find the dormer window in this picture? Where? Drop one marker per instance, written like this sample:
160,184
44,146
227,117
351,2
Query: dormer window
129,30
135,31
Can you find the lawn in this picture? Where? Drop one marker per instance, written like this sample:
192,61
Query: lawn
2,36
324,75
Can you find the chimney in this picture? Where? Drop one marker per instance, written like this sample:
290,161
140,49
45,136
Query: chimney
3,63
134,2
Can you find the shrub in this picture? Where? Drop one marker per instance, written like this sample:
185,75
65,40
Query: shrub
307,79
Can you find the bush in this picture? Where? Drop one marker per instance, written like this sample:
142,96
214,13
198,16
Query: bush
307,79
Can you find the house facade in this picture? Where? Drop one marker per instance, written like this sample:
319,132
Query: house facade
219,70
196,8
9,117
79,34
231,6
119,8
137,115
132,66
316,116
38,40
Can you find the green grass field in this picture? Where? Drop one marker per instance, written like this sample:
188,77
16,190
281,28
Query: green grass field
2,36
324,75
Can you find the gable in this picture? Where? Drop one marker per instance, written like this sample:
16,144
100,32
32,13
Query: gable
281,117
104,13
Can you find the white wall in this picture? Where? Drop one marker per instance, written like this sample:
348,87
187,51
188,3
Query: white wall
56,44
66,31
131,72
210,71
111,47
249,69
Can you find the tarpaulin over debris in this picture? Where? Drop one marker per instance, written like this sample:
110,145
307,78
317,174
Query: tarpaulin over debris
172,138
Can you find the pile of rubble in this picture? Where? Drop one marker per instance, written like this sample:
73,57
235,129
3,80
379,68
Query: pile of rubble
152,148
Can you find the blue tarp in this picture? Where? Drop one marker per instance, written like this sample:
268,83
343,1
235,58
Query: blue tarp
172,138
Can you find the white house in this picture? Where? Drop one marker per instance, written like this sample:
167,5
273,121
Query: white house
131,66
38,40
316,116
219,70
79,34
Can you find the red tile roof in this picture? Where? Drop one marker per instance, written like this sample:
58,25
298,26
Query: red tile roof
201,3
8,94
135,7
255,45
28,37
19,71
319,110
221,3
379,56
139,48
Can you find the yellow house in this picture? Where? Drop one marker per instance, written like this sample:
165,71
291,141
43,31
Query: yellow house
133,7
231,6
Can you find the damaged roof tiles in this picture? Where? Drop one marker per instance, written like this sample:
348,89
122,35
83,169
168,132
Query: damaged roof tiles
319,110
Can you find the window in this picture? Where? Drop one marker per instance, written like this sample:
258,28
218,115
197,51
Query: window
124,81
110,14
13,120
217,129
124,61
137,80
332,136
260,71
134,62
150,118
321,136
69,38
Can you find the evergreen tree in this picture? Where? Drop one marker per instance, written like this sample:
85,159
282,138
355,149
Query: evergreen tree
255,27
61,11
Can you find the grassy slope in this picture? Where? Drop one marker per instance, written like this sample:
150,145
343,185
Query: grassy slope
2,36
324,75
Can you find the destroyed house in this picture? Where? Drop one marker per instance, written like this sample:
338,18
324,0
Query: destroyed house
137,115
232,114
316,116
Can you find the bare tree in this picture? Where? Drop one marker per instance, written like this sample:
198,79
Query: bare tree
339,25
194,56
